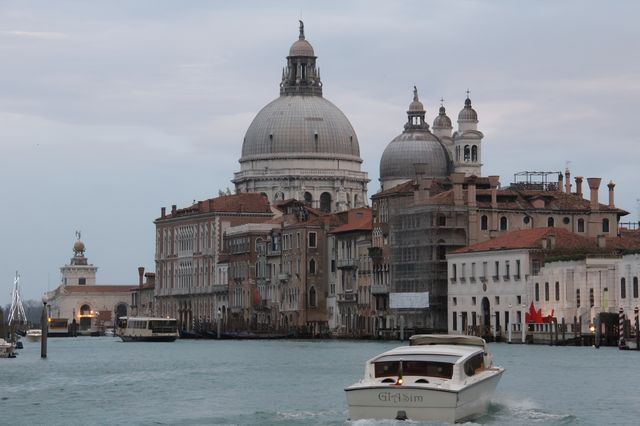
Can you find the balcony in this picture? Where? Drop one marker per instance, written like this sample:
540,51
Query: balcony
347,297
379,289
284,277
274,252
220,288
350,263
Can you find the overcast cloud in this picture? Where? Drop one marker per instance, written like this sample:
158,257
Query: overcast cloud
111,110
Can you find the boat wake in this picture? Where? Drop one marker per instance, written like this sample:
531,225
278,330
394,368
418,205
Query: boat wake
524,412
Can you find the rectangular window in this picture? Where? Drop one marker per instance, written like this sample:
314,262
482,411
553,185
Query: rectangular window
333,265
591,298
473,271
82,281
473,301
557,291
577,298
312,239
497,300
517,269
454,321
454,272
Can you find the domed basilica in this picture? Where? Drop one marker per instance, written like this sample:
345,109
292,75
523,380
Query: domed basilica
419,151
301,145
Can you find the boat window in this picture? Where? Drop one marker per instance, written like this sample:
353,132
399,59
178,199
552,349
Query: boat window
414,368
474,365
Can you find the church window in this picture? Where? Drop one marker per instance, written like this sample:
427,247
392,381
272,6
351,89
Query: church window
623,288
467,153
82,281
308,198
312,266
474,153
635,287
503,223
580,225
550,222
325,202
484,222
605,225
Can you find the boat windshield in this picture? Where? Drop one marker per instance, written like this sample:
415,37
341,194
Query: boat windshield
440,366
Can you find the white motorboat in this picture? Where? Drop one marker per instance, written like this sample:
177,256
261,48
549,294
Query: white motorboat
6,349
34,334
147,329
436,378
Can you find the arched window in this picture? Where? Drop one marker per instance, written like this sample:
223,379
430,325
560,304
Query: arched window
85,309
312,266
308,198
605,225
537,291
546,292
503,223
623,288
550,222
635,287
355,200
457,153
474,153
557,291
279,196
312,297
580,225
484,222
121,310
467,153
325,202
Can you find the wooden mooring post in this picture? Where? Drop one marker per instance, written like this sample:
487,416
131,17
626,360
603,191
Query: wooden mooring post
635,311
44,321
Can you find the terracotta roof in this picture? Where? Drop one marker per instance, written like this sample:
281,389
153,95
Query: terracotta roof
360,219
531,239
98,288
238,203
408,186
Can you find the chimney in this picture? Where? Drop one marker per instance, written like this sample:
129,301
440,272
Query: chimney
552,241
602,242
567,181
471,191
140,275
611,185
163,212
493,184
594,186
560,184
457,179
579,185
173,209
545,243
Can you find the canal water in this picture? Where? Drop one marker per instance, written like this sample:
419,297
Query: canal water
102,381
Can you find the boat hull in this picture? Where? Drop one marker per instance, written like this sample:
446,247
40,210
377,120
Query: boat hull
148,338
422,403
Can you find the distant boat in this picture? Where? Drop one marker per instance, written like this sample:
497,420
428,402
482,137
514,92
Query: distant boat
147,329
6,349
58,327
34,334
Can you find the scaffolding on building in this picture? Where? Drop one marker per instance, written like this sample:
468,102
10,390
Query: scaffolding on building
420,238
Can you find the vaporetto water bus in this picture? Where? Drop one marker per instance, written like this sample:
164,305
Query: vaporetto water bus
147,329
436,378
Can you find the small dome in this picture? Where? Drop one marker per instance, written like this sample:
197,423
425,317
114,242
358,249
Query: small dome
410,148
467,113
78,246
301,48
416,105
442,121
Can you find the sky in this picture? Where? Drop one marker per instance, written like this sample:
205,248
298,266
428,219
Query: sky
111,110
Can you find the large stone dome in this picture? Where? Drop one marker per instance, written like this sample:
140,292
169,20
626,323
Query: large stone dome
294,125
410,148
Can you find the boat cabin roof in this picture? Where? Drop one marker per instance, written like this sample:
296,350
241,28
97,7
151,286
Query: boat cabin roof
444,353
147,318
446,339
